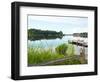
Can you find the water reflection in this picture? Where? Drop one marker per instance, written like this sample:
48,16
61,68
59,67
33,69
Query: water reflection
42,37
52,42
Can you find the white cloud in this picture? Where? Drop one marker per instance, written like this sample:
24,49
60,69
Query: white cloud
64,24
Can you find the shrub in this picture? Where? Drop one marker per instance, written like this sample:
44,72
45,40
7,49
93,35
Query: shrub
61,49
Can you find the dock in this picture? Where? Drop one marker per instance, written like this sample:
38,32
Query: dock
78,43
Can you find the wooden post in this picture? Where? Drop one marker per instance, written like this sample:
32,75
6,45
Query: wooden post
82,56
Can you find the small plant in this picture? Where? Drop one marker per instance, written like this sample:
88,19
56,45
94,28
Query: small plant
61,49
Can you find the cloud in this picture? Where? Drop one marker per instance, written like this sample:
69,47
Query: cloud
64,24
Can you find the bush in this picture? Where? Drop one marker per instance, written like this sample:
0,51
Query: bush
61,49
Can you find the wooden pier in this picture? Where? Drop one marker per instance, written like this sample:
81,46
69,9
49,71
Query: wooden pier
78,43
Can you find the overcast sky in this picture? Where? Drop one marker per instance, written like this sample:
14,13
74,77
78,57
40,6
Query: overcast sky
67,25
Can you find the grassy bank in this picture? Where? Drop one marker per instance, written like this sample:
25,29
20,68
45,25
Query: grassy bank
41,55
36,56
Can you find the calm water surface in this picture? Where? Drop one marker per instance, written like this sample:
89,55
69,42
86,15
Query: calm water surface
52,43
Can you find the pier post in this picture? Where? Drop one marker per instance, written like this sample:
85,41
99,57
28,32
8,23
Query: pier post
82,56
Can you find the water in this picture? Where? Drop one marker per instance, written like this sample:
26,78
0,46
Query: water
52,43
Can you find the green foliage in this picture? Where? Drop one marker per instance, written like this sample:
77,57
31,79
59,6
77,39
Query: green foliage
71,60
36,34
40,55
61,49
65,49
70,51
36,56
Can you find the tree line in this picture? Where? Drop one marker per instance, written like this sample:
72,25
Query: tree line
37,34
83,34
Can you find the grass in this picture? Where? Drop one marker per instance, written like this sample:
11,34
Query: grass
41,55
65,49
72,60
70,51
61,49
36,56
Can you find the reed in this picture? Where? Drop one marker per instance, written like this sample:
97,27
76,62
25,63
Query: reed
36,56
41,55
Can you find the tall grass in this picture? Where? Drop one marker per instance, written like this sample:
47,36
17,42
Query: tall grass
61,49
41,55
65,49
36,56
71,50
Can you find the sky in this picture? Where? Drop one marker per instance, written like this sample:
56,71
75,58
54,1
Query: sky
66,24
